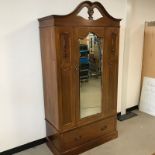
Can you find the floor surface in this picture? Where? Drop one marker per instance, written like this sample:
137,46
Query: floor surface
136,137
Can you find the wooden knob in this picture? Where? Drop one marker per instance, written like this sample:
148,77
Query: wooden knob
77,138
76,67
103,128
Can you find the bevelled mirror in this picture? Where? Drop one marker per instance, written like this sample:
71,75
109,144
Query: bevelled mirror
90,75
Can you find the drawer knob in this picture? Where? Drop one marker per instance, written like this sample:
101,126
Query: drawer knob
78,138
104,128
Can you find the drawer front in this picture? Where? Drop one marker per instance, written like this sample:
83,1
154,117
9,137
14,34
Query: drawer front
86,133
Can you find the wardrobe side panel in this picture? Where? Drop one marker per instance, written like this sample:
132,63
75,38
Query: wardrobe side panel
49,66
111,50
66,78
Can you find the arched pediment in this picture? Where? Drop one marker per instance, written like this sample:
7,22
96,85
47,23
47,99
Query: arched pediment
91,6
73,19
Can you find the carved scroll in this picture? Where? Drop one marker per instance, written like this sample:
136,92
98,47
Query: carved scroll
65,45
114,37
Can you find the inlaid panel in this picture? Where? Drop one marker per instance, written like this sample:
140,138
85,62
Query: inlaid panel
66,76
111,49
66,82
65,46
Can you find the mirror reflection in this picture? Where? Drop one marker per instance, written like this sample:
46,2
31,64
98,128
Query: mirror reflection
90,72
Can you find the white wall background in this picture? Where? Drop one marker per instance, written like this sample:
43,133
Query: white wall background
21,95
142,10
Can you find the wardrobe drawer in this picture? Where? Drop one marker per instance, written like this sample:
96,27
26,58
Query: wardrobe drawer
84,134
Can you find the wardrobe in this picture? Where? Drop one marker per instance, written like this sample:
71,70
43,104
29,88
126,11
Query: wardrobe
80,75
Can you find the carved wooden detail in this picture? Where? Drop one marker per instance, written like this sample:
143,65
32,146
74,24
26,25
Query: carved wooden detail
90,13
113,47
65,45
73,19
91,6
113,36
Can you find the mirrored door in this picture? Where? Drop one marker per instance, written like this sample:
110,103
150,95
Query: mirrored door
90,75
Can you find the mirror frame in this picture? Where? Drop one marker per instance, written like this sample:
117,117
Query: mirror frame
82,32
81,103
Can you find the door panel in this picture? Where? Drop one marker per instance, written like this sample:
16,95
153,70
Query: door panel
66,76
80,34
110,47
111,50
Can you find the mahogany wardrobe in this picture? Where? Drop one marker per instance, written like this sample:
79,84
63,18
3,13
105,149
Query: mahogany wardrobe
80,74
